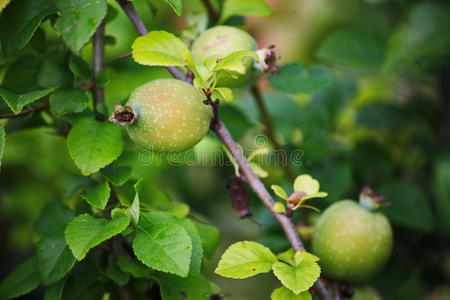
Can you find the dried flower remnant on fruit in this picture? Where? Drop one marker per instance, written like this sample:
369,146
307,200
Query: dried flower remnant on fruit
267,60
370,200
122,115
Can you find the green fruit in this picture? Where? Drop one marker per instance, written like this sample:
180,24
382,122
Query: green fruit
221,41
170,115
365,293
352,242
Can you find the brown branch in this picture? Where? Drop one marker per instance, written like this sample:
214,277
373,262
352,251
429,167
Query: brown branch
25,111
257,186
129,9
97,61
269,129
214,16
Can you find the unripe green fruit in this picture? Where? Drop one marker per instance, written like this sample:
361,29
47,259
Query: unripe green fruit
365,293
221,41
170,115
352,242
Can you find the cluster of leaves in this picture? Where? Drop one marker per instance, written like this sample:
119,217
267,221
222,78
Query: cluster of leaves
296,270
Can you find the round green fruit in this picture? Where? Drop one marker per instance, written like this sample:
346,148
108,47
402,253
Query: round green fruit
365,293
221,41
352,242
169,115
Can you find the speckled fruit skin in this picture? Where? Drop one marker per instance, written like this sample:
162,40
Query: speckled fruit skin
352,242
170,115
221,41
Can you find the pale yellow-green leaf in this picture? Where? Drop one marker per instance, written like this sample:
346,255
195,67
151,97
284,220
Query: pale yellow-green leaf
3,4
305,183
304,256
245,259
234,62
279,207
279,191
226,93
259,171
160,48
258,152
297,278
283,293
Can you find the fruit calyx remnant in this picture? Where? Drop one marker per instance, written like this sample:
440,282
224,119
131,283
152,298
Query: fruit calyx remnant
267,60
122,115
371,201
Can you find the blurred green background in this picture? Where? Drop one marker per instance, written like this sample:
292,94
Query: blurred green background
381,118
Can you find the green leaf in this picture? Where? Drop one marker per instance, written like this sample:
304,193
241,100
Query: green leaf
258,170
19,22
245,259
53,219
3,4
305,183
97,195
54,258
279,191
209,236
93,145
297,78
441,187
17,102
53,73
176,5
283,293
2,143
54,291
225,94
257,8
86,232
21,281
297,278
163,246
160,48
136,269
65,101
79,67
194,287
115,273
72,184
409,206
117,175
78,20
352,47
287,256
234,62
135,206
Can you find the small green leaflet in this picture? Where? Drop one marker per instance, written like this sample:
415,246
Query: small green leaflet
135,206
17,101
21,281
117,175
279,191
54,291
283,293
54,258
176,5
245,259
65,101
2,143
299,277
224,93
78,20
98,195
165,246
234,62
3,4
257,8
160,48
93,145
86,232
296,78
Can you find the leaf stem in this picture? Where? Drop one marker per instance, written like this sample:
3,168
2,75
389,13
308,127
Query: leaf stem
25,111
269,128
214,16
257,186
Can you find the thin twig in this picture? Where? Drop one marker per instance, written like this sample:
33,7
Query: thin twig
25,111
211,11
129,9
269,129
97,62
257,186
